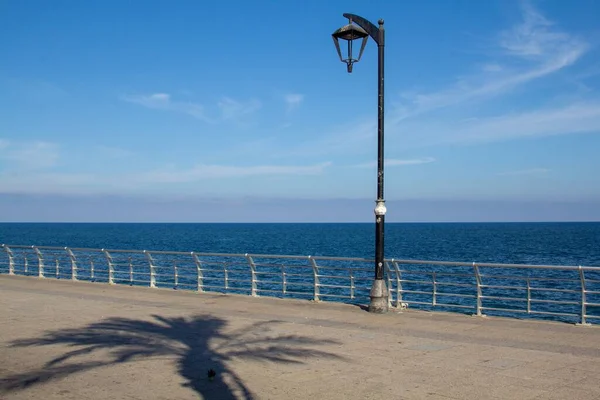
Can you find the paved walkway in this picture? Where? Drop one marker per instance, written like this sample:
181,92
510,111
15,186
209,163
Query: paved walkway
76,340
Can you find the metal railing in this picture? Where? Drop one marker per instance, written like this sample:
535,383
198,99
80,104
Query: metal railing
564,293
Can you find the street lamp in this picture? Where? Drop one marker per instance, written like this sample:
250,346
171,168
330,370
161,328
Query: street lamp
359,28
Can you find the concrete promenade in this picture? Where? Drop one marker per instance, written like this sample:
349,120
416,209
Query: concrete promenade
77,340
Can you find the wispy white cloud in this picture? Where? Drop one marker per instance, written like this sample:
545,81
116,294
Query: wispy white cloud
156,100
393,162
569,119
163,101
293,101
26,156
229,108
531,171
201,172
534,36
532,49
43,181
235,110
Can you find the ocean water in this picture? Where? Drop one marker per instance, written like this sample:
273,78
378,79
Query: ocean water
569,244
530,243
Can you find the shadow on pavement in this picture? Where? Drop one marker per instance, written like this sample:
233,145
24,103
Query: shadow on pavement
198,344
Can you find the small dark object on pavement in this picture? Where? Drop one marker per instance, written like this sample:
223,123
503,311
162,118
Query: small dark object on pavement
211,374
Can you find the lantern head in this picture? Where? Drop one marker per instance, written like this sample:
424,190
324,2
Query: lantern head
349,33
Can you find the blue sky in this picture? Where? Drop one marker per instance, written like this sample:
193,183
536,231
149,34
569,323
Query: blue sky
110,107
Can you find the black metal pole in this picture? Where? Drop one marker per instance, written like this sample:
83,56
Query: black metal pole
380,219
379,293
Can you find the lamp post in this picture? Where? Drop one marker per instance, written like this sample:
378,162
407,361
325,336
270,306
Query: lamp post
359,28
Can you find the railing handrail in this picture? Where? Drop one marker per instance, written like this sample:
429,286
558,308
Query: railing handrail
535,290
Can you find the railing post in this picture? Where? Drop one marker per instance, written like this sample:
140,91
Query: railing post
130,271
315,268
434,293
40,257
352,284
528,296
26,264
399,303
200,276
283,279
110,265
252,275
11,260
91,269
57,268
176,275
152,269
73,263
389,282
478,282
583,320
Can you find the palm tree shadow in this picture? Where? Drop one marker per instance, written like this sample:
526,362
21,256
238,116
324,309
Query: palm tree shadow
198,344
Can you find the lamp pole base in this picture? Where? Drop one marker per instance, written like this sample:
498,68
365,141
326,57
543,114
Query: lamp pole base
379,297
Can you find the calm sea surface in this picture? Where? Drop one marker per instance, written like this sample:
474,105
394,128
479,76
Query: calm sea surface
532,243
